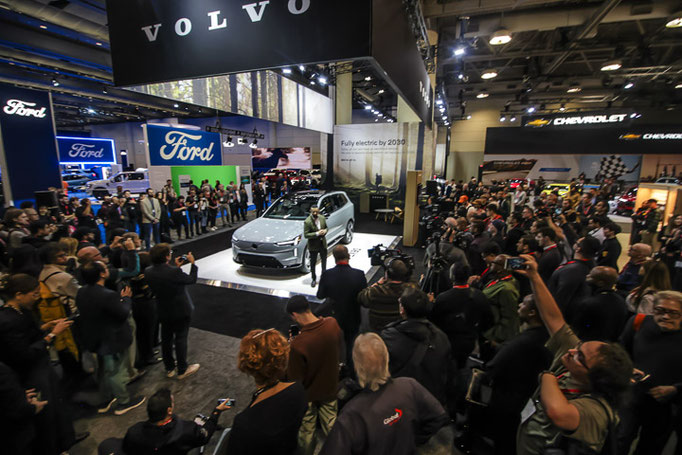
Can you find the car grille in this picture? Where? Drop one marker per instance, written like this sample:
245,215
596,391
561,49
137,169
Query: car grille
258,261
259,247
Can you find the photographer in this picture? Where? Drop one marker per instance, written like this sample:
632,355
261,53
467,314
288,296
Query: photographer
174,306
165,433
574,407
382,297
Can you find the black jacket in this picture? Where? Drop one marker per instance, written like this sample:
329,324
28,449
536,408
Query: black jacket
609,253
16,420
341,286
598,317
175,438
548,263
103,322
513,236
463,314
406,341
567,283
168,284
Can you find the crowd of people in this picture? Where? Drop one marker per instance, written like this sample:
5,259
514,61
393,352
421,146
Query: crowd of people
536,339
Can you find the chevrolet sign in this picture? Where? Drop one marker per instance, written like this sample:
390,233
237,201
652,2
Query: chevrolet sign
579,120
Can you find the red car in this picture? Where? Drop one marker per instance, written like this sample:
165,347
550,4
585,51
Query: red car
626,203
514,183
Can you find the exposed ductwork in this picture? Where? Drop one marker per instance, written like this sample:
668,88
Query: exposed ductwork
58,17
552,18
58,64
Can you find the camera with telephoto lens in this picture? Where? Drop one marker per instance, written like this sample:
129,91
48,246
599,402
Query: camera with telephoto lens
379,255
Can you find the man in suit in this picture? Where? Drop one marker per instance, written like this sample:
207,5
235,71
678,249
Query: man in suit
151,214
315,231
174,306
551,256
103,325
341,286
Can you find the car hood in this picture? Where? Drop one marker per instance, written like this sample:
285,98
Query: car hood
267,230
98,182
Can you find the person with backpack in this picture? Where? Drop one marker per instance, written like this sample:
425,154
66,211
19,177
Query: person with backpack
655,344
574,407
417,348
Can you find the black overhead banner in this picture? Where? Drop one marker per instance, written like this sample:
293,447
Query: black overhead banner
166,40
583,141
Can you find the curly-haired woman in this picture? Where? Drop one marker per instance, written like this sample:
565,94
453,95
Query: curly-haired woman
271,421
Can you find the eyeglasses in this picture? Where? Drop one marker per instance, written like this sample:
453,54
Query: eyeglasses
660,311
580,356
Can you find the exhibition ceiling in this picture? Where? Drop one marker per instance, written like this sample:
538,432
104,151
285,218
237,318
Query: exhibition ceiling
556,56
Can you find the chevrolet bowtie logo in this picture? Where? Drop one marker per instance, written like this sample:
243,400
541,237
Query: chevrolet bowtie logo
630,136
538,122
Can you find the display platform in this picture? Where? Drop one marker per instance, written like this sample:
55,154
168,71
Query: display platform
220,270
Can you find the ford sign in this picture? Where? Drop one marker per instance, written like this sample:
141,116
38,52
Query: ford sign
86,150
180,147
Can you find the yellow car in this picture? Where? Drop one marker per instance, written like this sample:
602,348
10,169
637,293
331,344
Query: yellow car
562,188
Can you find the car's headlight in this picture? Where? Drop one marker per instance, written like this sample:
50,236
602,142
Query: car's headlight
292,242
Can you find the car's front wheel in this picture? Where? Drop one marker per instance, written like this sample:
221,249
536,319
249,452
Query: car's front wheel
305,266
349,233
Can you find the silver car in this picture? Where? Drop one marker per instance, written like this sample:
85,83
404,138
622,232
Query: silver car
275,240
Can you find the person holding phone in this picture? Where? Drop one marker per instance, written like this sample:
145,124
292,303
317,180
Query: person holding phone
105,330
315,231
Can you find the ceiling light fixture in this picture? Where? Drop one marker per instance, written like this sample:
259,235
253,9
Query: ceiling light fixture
678,85
469,117
628,85
44,27
612,65
574,88
228,143
91,111
368,78
368,107
513,118
286,70
501,36
176,105
322,80
460,76
254,144
482,94
490,73
503,118
98,43
55,82
439,101
674,20
562,108
381,92
459,51
530,109
301,68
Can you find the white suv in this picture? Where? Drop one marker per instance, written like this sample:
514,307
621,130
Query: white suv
136,182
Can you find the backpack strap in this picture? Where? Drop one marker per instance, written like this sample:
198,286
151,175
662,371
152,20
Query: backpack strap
637,323
611,436
51,275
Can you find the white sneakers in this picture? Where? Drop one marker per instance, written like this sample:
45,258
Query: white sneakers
191,369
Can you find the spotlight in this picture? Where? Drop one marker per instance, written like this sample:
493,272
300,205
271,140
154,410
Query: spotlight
674,20
503,118
98,43
241,141
322,80
44,27
286,70
228,143
501,36
381,92
574,88
530,109
489,74
513,118
635,115
55,82
439,101
301,68
459,51
253,145
312,82
91,111
612,65
442,109
460,76
562,108
368,78
678,85
368,107
469,117
176,105
483,94
629,85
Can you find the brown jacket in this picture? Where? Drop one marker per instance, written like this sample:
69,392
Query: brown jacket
314,359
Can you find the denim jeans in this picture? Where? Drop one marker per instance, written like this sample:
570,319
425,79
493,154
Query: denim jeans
113,371
147,229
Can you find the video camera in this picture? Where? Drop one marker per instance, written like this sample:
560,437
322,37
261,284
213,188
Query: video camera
379,256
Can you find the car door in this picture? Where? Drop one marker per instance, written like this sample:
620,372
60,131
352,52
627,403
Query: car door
137,183
116,180
327,209
345,212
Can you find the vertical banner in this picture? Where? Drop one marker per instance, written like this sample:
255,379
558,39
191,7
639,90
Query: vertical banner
28,148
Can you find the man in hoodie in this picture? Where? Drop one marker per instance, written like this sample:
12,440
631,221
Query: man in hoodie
417,348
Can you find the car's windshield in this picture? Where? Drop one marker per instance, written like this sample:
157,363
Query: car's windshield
291,208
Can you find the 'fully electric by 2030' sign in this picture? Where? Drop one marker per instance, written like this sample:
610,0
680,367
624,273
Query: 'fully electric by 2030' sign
181,147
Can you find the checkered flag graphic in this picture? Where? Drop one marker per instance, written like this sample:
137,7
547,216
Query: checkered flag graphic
612,167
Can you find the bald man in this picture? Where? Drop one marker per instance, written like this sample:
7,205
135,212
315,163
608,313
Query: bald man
129,259
629,277
602,315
